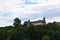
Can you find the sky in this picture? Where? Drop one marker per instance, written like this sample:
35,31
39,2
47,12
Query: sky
29,9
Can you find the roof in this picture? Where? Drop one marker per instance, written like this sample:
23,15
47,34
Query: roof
39,21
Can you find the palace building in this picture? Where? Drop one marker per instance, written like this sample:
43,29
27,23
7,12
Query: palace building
38,22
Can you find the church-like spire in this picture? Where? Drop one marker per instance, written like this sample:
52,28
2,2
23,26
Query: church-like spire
44,20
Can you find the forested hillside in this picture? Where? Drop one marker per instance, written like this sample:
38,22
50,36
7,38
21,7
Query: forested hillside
18,31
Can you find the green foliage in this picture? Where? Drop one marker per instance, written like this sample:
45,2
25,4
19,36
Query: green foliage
45,37
49,31
17,22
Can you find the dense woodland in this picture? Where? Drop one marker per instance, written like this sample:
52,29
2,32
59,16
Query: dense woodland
50,31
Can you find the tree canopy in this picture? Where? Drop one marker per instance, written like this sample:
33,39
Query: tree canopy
49,31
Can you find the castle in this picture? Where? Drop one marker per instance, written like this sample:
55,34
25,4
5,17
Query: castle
39,22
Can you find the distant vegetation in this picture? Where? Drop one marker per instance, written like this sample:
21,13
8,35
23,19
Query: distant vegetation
18,31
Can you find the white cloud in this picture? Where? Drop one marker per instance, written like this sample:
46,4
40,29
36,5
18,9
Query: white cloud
5,21
17,8
53,19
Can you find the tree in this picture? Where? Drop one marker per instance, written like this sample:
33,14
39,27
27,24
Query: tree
45,37
17,22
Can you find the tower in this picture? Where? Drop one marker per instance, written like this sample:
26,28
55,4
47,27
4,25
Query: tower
44,21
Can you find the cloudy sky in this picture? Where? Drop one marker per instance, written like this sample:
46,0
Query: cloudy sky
29,9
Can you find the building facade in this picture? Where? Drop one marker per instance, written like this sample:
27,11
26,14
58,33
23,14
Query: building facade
38,22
